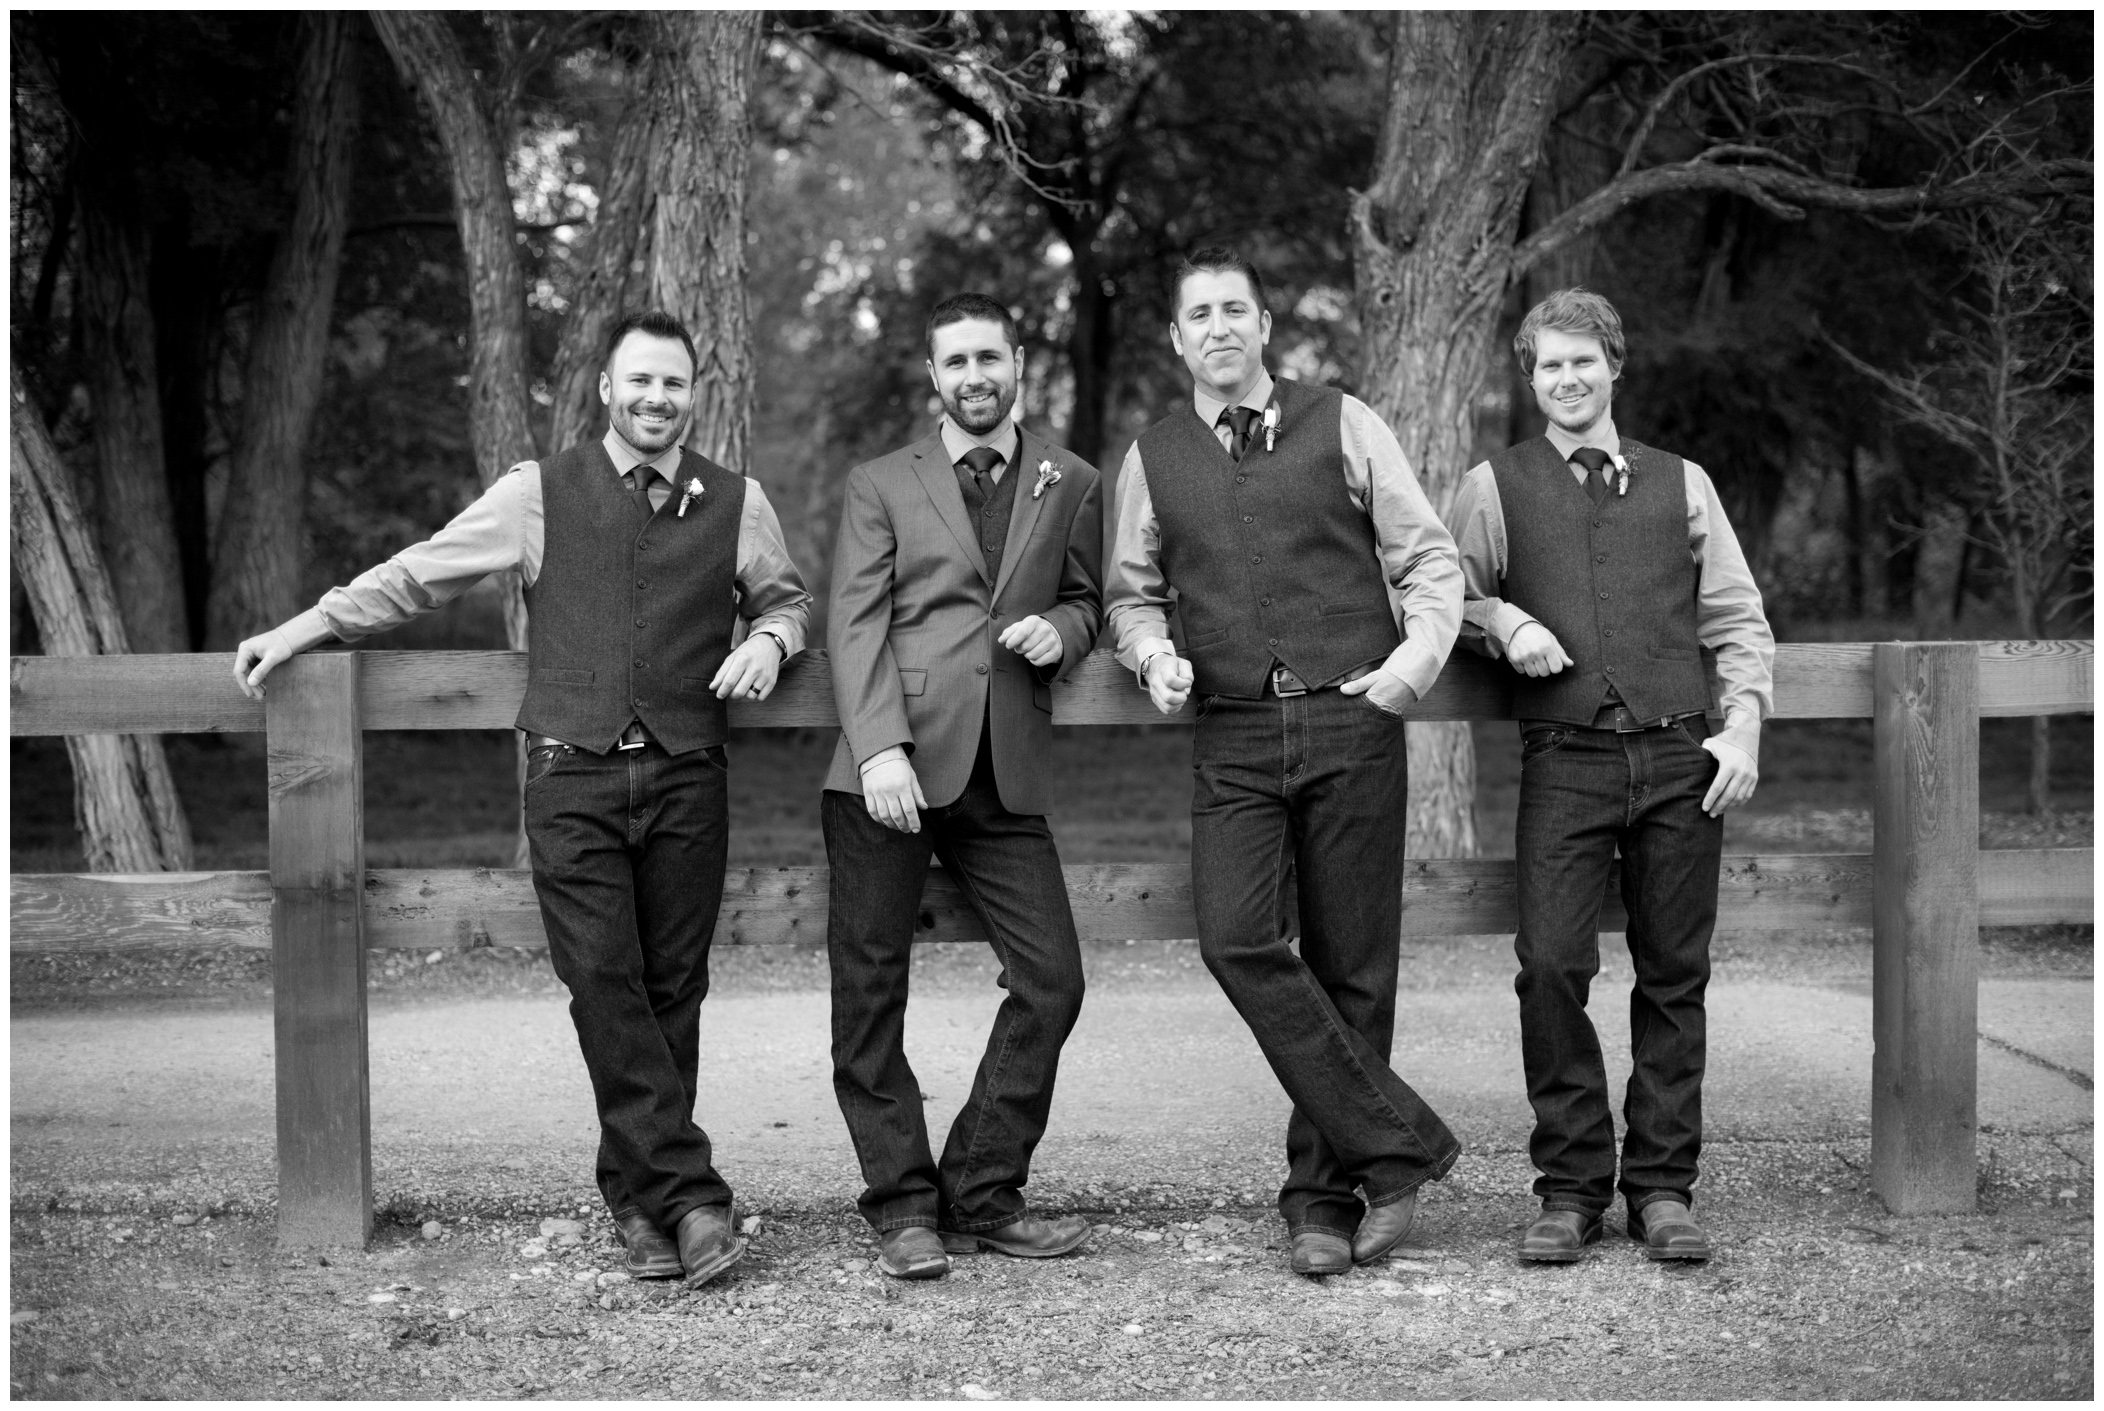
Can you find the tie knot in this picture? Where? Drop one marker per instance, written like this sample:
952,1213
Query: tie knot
982,460
1240,418
1591,457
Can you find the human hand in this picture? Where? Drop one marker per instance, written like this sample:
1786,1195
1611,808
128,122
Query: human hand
1169,679
255,659
750,671
892,794
1737,774
1388,691
1034,640
1534,651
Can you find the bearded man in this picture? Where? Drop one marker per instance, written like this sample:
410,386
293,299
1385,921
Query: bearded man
633,605
966,580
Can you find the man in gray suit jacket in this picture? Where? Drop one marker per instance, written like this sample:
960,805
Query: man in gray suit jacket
966,579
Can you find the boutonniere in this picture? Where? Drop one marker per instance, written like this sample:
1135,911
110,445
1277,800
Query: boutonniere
1047,474
1621,475
1270,427
688,496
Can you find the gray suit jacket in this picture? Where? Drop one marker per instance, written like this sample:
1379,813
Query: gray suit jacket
914,620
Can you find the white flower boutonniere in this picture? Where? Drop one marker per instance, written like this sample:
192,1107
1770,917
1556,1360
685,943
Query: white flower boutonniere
1621,475
688,496
1270,428
1047,474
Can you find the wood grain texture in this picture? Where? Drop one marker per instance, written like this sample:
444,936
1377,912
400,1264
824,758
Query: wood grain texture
1925,928
462,910
482,690
317,876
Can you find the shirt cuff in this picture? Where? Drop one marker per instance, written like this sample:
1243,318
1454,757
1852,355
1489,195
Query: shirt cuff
1414,666
1505,620
1145,651
884,756
310,629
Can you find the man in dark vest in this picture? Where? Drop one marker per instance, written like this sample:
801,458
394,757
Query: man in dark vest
1292,528
1599,568
639,560
966,579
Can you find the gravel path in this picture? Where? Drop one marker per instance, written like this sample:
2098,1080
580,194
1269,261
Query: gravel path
143,1261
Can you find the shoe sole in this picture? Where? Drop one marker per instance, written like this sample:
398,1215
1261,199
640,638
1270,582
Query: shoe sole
1563,1256
954,1242
914,1271
696,1277
653,1271
1667,1256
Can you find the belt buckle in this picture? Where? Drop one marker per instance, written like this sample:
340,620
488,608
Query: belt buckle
1279,677
641,740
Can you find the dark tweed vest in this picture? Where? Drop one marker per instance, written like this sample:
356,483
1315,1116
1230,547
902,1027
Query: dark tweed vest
1270,558
991,513
630,618
1613,581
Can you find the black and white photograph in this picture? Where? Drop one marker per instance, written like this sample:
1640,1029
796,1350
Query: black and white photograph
1051,705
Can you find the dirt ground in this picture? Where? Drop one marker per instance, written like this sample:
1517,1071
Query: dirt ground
144,1263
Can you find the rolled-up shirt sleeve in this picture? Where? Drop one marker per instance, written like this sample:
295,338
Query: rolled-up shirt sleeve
489,536
1729,618
1478,522
771,593
1138,599
1418,558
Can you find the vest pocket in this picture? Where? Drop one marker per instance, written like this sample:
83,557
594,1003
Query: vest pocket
1041,696
693,685
1675,653
913,681
562,676
1195,640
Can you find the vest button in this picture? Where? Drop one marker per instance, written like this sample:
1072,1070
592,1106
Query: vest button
1272,643
980,668
1607,632
642,544
1249,519
1240,479
1256,558
1610,671
1263,602
641,584
1599,558
1596,524
639,666
641,623
1603,597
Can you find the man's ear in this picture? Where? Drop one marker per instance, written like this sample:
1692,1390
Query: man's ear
1176,337
1263,327
606,391
933,380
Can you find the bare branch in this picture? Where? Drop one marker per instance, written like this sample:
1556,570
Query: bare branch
1635,151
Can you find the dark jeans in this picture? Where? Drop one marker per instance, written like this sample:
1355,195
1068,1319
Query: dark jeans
1008,869
628,857
1317,782
1583,794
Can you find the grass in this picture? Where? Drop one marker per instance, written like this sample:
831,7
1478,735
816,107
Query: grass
444,798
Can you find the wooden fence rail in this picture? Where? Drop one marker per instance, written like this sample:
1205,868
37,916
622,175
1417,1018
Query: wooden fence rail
1925,890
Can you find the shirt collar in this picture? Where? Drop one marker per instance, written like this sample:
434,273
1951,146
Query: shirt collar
625,459
1003,438
1209,407
1602,435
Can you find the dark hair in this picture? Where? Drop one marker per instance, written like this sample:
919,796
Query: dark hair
654,323
1573,310
960,307
1214,259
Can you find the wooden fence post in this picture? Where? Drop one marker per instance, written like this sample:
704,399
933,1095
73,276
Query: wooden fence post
317,923
1925,907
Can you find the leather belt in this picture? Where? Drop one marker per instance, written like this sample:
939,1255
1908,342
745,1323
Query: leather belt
1622,720
1286,685
635,737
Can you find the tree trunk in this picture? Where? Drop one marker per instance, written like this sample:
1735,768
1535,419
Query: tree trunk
186,300
698,166
138,518
499,415
1089,346
1470,97
130,817
617,239
256,584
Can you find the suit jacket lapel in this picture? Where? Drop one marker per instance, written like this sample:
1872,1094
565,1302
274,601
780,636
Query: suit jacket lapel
931,462
1027,506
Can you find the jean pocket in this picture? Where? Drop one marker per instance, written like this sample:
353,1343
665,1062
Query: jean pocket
1695,729
1542,741
1205,706
541,761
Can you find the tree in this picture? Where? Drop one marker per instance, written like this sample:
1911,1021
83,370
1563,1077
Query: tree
130,817
2009,385
257,582
1767,110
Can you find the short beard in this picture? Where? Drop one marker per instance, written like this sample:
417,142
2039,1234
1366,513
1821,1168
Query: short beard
1002,410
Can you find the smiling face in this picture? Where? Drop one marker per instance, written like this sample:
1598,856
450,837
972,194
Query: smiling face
1220,331
648,389
976,372
1573,380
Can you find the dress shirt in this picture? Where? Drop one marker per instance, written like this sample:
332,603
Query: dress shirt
1003,438
1728,615
1417,554
504,529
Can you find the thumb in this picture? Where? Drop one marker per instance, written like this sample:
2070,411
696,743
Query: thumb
1359,687
920,800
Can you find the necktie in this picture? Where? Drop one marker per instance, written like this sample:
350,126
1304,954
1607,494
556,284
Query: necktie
1239,420
645,477
1595,462
983,460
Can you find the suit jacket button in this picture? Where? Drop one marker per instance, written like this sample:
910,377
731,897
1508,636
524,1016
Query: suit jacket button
980,668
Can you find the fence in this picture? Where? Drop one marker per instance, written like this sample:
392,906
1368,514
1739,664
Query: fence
1925,890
